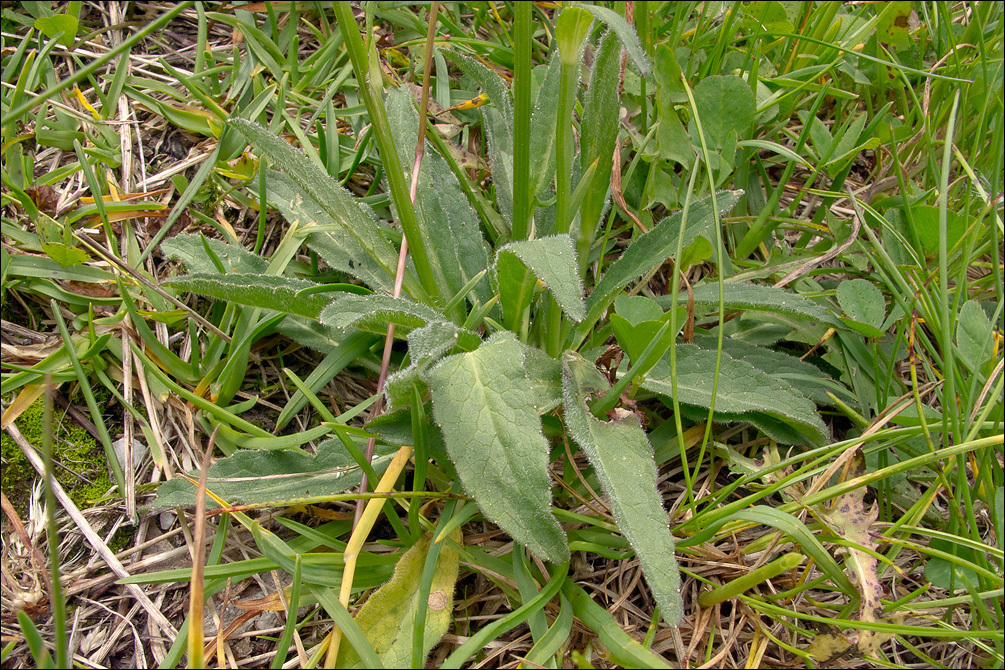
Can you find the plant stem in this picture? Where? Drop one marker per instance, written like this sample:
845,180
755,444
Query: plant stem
564,145
523,27
369,90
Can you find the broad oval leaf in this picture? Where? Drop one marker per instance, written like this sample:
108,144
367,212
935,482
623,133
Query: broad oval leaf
387,616
484,405
862,302
975,337
725,103
623,458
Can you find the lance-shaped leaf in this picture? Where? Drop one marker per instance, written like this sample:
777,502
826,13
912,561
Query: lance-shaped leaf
623,459
484,405
268,291
625,33
374,312
650,251
489,80
335,201
250,476
191,250
742,389
457,249
754,297
553,261
334,242
806,378
387,616
599,132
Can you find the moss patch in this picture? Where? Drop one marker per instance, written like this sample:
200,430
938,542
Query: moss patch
81,466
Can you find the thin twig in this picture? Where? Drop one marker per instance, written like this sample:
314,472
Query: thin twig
196,635
100,249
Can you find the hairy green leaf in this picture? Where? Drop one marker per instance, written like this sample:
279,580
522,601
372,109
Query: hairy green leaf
332,198
599,132
806,378
545,376
625,33
191,251
375,311
335,243
483,403
490,81
623,459
425,346
742,389
448,223
754,297
267,291
500,152
553,261
249,477
542,128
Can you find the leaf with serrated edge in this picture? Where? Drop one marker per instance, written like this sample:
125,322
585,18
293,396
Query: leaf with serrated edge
387,616
553,261
623,458
851,520
483,403
742,389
